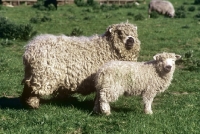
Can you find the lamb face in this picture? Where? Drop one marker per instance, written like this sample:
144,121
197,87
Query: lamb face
166,65
166,62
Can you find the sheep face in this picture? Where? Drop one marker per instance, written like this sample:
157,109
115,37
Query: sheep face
166,62
123,38
129,42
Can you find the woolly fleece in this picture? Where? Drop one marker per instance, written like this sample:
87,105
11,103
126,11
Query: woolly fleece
162,7
68,64
116,78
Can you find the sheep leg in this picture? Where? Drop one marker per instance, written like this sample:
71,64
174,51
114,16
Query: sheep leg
148,99
96,108
149,13
104,104
105,108
147,106
29,98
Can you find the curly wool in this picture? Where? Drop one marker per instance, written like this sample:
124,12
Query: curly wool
116,78
162,6
52,62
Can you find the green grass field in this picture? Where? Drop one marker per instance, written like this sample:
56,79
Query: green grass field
176,111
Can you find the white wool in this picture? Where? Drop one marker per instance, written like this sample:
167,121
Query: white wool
116,78
162,6
62,65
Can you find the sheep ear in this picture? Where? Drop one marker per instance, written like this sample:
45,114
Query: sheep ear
110,30
156,57
136,27
177,56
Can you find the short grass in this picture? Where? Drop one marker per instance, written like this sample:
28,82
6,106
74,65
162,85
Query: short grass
177,110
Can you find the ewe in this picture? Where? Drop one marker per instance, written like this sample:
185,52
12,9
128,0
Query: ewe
147,79
162,6
62,65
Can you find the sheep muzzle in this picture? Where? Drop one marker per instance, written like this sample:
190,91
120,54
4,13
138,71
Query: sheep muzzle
129,43
168,68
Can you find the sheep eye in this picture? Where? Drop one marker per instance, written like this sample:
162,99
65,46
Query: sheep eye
119,33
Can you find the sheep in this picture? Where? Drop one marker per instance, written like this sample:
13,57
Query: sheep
63,65
162,6
117,78
53,2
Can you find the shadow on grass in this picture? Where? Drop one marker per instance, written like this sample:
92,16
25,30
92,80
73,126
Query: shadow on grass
15,103
84,105
123,109
10,102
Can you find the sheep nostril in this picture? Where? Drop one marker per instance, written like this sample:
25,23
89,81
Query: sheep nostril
168,67
129,43
130,39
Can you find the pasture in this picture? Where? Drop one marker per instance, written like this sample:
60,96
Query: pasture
176,111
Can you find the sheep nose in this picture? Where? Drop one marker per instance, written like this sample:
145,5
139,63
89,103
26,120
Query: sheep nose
168,67
129,43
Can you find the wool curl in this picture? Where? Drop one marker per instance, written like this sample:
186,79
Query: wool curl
162,6
68,64
118,78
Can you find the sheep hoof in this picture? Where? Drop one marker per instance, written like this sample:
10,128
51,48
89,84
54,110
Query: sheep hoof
148,112
108,113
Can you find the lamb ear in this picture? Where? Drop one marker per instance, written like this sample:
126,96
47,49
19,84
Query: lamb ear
177,56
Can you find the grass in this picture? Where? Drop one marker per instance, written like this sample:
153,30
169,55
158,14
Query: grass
175,111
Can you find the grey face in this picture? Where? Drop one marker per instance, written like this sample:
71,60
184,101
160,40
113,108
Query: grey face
129,43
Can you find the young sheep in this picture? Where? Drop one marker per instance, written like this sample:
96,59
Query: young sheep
61,65
162,6
147,79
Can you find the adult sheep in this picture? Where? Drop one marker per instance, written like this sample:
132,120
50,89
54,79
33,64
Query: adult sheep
147,79
63,65
162,6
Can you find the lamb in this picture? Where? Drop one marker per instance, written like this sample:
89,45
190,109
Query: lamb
117,78
162,6
63,65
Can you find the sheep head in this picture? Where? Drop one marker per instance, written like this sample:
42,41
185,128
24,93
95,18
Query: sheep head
165,62
123,39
